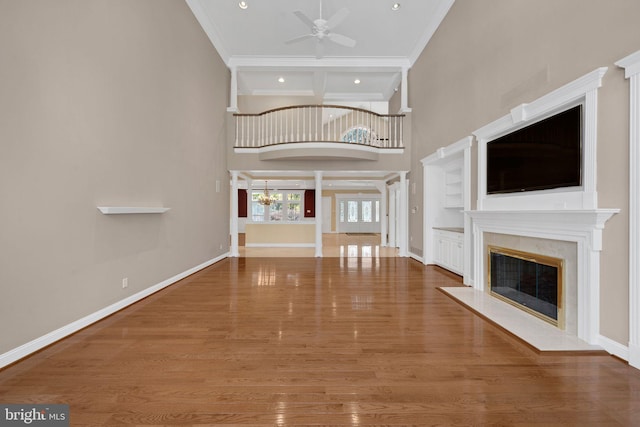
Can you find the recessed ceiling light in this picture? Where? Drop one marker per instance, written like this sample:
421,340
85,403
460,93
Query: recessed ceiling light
243,5
357,81
395,6
280,79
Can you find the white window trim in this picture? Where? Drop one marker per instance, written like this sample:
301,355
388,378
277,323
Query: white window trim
267,218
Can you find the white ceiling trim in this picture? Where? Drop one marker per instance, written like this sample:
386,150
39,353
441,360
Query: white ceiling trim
430,31
267,62
203,19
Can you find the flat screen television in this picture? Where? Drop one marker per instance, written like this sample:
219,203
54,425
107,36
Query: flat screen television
544,155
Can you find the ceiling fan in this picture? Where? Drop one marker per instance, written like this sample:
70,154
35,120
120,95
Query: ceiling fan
321,29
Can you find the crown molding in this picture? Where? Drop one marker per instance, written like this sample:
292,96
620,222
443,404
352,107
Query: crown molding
430,30
209,28
311,63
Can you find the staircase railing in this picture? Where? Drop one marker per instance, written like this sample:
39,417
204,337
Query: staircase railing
319,123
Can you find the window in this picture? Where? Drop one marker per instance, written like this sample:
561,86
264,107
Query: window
366,211
359,134
286,206
352,211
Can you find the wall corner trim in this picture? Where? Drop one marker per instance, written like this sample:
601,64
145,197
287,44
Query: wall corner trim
39,343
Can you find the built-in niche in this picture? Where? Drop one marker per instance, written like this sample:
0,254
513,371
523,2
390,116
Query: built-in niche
545,127
447,239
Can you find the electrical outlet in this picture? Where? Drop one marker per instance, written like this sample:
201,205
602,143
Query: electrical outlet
125,282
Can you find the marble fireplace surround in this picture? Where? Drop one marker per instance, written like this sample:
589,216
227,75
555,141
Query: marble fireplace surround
566,251
576,231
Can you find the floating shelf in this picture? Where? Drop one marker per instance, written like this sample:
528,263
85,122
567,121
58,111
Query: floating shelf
114,210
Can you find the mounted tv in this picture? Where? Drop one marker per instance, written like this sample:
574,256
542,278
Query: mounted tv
542,156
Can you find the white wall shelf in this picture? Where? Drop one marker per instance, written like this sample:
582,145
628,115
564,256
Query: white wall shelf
116,210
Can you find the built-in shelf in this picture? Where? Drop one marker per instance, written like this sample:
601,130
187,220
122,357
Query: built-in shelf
453,191
115,210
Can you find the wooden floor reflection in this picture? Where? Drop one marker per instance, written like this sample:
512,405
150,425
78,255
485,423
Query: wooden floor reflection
316,341
333,245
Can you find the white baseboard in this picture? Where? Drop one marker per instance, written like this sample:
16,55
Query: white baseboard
39,343
634,356
613,347
416,257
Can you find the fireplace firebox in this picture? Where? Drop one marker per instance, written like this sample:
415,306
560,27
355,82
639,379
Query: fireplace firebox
531,282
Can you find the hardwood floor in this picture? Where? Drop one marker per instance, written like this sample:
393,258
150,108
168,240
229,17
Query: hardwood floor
333,245
327,341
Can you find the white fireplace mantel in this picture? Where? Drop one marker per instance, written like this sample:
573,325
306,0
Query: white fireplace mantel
584,227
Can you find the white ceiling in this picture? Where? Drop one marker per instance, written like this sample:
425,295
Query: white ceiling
251,41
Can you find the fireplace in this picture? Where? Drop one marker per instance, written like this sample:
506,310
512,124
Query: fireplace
572,235
529,281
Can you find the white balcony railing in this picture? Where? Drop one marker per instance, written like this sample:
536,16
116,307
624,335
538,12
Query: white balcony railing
318,123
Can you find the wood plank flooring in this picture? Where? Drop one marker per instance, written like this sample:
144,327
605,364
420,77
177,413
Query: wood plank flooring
333,245
327,341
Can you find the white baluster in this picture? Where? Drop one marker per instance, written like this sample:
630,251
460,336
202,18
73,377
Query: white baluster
321,125
298,124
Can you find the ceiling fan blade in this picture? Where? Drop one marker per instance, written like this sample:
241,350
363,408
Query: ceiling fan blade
319,49
299,39
337,18
304,18
340,39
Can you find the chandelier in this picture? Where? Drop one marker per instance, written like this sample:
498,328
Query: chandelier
265,198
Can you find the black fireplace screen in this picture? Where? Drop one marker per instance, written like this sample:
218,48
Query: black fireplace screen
524,280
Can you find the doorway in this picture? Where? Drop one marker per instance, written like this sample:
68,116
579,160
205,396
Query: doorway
358,214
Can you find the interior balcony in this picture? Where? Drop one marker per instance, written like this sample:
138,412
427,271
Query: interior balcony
320,132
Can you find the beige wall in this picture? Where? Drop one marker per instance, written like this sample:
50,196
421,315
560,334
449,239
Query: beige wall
488,57
104,102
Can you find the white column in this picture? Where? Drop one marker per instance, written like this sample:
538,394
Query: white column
382,188
404,91
393,242
233,91
233,228
403,216
318,213
631,64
